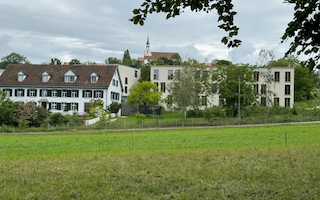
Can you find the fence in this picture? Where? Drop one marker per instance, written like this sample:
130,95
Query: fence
132,123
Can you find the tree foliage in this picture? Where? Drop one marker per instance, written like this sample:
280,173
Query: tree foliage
74,62
27,111
135,63
13,58
228,84
7,109
304,28
113,60
126,58
55,61
144,93
174,8
304,80
114,107
145,73
95,108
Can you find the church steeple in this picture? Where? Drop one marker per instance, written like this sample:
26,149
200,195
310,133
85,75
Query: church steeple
147,52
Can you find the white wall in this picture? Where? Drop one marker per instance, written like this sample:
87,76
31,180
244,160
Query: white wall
129,73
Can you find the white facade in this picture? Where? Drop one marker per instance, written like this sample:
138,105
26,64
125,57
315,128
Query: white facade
283,88
68,95
129,78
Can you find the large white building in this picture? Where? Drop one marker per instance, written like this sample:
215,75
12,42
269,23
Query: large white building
62,87
129,77
282,87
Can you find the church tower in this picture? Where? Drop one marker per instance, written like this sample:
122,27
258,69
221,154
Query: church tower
147,52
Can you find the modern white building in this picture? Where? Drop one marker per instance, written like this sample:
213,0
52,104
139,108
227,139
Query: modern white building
62,87
282,87
129,77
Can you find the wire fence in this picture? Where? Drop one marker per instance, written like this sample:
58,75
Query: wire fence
132,123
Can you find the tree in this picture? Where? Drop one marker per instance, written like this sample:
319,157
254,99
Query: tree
126,58
190,87
144,93
74,62
304,28
7,109
303,83
13,58
145,73
95,108
176,59
90,63
114,107
55,61
228,84
135,63
26,111
113,60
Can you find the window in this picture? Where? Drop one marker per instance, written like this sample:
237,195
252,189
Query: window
204,100
256,88
263,89
54,93
74,106
276,101
64,106
263,101
19,92
116,83
277,76
156,74
45,77
215,75
287,89
98,94
288,77
21,76
163,87
125,89
64,93
94,77
113,82
177,72
287,102
43,93
115,96
74,93
170,74
136,73
32,93
214,88
8,91
197,75
126,80
87,94
53,106
157,84
256,76
69,79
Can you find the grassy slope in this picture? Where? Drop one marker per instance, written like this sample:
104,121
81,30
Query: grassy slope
182,164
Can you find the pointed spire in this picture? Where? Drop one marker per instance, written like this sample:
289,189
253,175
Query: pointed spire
148,40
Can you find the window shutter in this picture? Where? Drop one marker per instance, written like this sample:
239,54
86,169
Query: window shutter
83,92
68,93
35,93
28,92
23,92
69,106
58,106
49,93
16,92
40,93
77,93
90,94
49,106
101,93
10,92
58,93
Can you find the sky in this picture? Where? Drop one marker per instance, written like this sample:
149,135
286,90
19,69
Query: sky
93,30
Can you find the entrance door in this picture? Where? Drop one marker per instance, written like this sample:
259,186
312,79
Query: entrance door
44,105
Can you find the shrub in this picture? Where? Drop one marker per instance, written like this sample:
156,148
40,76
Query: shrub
140,117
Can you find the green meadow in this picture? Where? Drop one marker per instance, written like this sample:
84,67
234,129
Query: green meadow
186,163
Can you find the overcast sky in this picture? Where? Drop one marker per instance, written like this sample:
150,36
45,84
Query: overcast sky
93,30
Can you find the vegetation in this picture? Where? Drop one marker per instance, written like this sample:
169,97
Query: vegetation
126,58
13,58
181,164
304,28
74,62
144,93
55,61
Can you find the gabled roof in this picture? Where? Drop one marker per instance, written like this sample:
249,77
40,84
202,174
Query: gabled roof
156,55
34,74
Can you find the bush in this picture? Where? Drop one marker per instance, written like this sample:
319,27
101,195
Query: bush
207,113
140,117
58,119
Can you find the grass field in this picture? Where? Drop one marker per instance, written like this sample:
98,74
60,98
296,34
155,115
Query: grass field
215,163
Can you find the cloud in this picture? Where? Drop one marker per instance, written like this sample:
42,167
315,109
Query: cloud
4,43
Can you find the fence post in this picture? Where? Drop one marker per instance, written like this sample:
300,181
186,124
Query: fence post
12,129
252,119
48,126
317,117
176,122
227,123
277,119
142,124
124,124
298,117
182,123
192,122
68,126
106,124
308,117
265,119
159,123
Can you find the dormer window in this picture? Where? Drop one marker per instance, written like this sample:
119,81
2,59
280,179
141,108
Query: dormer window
45,77
70,77
94,77
21,76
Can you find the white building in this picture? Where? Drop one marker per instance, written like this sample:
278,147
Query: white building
129,77
282,87
62,87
